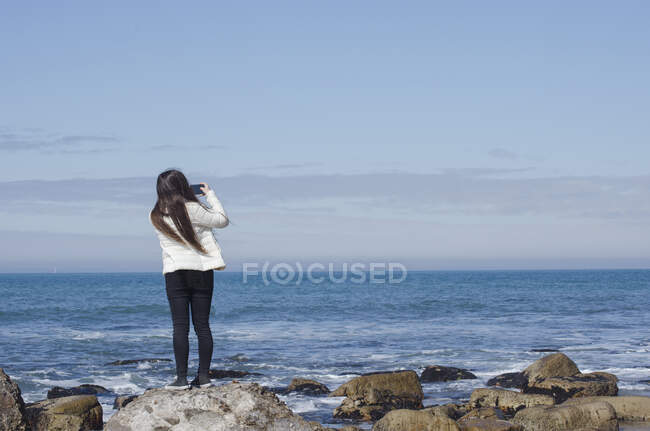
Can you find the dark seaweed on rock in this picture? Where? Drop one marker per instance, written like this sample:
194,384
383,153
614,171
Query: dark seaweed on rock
230,374
307,386
509,380
438,373
85,389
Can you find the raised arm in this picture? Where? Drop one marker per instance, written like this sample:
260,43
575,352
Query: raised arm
214,217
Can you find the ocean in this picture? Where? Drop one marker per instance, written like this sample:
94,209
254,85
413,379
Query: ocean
62,329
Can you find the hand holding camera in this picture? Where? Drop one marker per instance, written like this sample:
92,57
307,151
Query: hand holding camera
200,189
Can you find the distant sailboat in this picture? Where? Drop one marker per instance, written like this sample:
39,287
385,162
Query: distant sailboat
54,270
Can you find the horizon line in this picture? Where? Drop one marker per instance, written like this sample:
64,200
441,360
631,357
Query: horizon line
366,271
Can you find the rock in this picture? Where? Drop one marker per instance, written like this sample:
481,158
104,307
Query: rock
12,406
490,424
555,365
486,419
482,413
229,407
58,391
357,409
509,402
239,357
438,373
75,413
415,420
230,374
123,400
628,408
598,415
371,396
559,376
609,376
580,385
315,426
307,386
508,380
318,427
454,411
137,361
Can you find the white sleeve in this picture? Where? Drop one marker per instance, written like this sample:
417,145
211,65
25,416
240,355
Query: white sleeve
213,217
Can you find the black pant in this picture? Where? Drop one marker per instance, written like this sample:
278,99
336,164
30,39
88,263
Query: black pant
185,288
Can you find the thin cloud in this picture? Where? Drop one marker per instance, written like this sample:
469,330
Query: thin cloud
502,153
172,147
421,195
481,172
34,140
284,166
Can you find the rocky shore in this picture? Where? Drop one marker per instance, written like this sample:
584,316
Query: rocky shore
551,394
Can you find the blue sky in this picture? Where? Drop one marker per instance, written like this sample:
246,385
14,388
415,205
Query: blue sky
444,135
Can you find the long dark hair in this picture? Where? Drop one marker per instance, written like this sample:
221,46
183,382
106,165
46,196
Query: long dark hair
173,192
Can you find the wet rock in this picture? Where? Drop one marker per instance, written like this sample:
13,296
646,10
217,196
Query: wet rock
239,357
359,410
137,361
490,424
58,391
229,407
75,413
420,420
371,396
307,386
482,413
628,408
598,415
486,419
230,374
555,365
509,402
579,385
12,406
315,426
123,400
438,373
509,380
454,411
319,427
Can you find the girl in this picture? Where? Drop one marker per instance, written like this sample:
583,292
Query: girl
190,253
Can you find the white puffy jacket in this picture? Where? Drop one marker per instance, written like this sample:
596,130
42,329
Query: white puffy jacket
183,256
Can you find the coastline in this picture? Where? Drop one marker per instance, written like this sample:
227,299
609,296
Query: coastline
520,401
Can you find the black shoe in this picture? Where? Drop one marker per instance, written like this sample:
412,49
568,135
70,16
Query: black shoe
201,382
179,383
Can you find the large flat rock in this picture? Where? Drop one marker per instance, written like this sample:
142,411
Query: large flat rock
597,415
509,402
231,407
411,420
628,408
